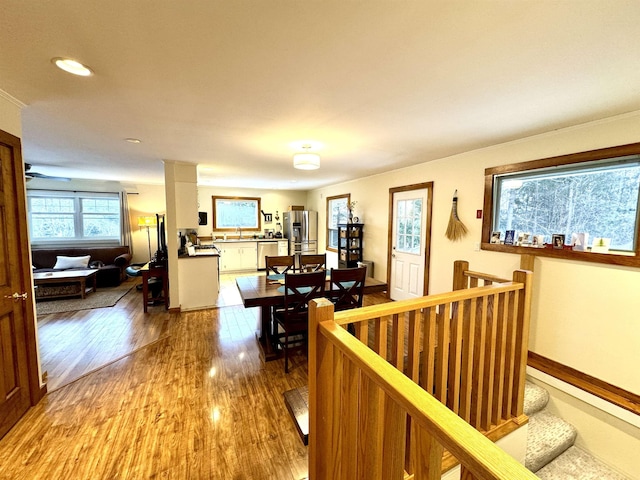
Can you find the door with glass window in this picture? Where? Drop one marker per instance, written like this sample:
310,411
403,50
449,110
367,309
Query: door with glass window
410,240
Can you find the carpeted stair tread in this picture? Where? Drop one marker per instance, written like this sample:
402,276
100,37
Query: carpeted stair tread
535,398
548,437
576,464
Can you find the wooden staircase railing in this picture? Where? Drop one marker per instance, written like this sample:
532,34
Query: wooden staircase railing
416,379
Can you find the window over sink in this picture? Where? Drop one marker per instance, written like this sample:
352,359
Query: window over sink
236,213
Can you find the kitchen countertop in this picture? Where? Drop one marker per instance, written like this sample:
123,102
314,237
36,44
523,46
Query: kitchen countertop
206,250
201,253
236,240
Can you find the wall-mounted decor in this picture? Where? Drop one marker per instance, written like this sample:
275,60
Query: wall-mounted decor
202,218
455,229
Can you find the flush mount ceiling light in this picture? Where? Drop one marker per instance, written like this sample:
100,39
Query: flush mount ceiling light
133,140
72,66
306,160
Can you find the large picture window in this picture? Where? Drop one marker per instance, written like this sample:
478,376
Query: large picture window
236,213
337,212
71,217
569,204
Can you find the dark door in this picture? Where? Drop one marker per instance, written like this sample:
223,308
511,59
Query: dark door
17,335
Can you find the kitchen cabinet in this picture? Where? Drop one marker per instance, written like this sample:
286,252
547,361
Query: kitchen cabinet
349,244
237,256
198,282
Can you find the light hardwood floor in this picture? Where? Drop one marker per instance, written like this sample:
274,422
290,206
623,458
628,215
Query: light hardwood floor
180,396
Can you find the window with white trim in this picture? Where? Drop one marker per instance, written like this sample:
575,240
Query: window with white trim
66,217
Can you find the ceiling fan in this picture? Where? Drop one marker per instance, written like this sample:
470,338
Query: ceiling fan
29,175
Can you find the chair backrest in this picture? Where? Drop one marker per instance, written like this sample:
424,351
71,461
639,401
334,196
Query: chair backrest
299,289
347,287
313,262
279,264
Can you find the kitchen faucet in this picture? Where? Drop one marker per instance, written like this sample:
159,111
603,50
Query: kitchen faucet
239,231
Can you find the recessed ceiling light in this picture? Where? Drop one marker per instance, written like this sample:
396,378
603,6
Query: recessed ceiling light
133,140
72,66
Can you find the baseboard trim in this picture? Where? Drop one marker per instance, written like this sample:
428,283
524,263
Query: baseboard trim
618,396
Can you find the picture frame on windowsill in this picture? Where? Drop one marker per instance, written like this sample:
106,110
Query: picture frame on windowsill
509,237
600,245
557,240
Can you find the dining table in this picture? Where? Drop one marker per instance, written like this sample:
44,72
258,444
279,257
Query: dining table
266,292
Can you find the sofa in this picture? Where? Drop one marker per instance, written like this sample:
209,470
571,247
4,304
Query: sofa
111,262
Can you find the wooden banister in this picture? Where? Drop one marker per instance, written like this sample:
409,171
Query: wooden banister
373,396
465,278
344,367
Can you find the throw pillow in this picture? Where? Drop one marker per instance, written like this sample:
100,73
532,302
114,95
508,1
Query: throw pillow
71,262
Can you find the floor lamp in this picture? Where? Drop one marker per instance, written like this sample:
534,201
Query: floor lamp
148,222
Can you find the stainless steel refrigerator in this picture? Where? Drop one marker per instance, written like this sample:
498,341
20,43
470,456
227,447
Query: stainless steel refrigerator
301,230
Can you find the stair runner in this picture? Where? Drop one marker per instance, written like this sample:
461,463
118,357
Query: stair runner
551,453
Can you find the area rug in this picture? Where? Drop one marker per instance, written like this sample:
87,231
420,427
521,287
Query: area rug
103,297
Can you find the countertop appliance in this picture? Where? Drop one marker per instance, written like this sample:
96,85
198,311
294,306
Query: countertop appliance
301,230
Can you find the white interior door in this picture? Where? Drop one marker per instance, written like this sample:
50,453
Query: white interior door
409,243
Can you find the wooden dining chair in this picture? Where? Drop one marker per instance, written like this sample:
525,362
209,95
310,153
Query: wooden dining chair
291,322
347,287
313,262
347,290
280,264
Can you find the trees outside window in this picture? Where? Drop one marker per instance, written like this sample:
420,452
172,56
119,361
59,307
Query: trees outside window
600,201
73,217
231,213
580,197
337,212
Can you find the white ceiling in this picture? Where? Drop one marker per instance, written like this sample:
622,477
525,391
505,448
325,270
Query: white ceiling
230,85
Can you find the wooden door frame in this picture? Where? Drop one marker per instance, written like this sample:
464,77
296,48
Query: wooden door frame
427,241
36,390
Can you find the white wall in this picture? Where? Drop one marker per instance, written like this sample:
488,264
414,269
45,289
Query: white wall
10,116
145,200
583,315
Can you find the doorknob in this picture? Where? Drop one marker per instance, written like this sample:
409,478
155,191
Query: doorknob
17,296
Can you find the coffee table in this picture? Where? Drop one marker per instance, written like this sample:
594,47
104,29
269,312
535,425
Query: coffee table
79,283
